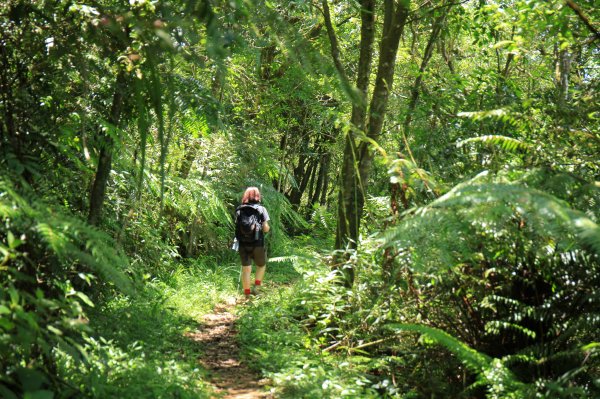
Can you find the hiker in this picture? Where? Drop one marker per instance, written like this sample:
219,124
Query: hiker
252,221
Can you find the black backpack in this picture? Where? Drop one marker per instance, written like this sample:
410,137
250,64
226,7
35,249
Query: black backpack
248,224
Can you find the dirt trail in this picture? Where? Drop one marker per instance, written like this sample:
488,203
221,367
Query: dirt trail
231,379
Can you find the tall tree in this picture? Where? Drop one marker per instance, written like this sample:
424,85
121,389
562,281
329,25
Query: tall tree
366,125
348,212
106,151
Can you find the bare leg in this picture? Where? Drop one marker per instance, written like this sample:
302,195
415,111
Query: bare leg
260,272
246,270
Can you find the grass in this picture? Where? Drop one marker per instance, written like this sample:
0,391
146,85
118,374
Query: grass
139,348
275,341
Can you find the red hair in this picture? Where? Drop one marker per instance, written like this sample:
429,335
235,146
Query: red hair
251,195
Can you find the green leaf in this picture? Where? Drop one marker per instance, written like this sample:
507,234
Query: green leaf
507,143
39,394
504,43
593,345
475,360
54,330
11,238
6,325
85,299
6,393
31,379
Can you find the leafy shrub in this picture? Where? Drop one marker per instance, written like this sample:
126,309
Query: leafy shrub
510,271
276,344
499,273
140,346
50,260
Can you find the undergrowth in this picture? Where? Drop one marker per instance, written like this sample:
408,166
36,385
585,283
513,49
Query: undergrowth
277,341
141,347
487,292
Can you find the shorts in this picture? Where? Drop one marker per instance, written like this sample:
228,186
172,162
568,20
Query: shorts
258,254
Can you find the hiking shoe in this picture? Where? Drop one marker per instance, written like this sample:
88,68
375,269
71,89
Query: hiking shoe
255,290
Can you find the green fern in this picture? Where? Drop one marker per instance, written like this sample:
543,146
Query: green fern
513,263
69,238
506,116
196,198
491,207
506,143
194,125
501,382
404,171
44,273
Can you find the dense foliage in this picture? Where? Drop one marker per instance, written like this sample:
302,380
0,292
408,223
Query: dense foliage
430,168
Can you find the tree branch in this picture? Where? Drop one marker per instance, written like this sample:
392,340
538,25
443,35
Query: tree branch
335,47
583,17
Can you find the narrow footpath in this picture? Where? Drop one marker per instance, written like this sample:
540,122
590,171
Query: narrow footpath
218,336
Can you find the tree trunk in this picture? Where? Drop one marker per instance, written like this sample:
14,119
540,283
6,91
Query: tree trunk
325,168
312,181
503,72
267,56
282,176
564,64
305,177
299,172
414,92
188,159
358,159
105,159
347,224
394,23
447,57
320,180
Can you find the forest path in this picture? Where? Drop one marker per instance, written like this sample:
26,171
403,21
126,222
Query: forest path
218,336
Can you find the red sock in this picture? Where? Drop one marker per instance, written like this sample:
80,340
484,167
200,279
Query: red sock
257,282
246,291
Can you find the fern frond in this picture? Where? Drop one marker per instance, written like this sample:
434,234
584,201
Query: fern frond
479,206
403,170
475,361
504,142
282,259
495,326
478,115
70,239
501,381
194,124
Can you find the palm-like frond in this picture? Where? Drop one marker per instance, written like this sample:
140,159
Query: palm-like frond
68,238
504,142
447,225
403,170
193,124
501,382
507,116
196,198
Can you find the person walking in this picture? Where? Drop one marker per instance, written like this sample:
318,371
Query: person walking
252,222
